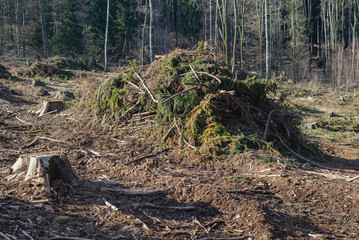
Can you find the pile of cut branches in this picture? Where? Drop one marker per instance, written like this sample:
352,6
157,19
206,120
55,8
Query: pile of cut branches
193,97
45,70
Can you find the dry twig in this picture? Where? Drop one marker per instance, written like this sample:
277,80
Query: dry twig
108,204
147,89
133,193
177,94
268,122
212,76
27,123
68,238
150,205
352,179
199,80
300,156
184,140
4,236
26,234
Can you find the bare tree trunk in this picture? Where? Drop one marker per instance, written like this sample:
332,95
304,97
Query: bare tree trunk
294,40
235,35
216,25
44,31
17,29
352,72
23,33
210,23
2,29
143,36
151,26
225,30
106,35
259,11
205,24
267,37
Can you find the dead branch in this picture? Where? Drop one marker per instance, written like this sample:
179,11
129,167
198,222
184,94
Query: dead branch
150,205
327,175
73,147
300,156
27,123
26,234
147,156
207,74
51,112
144,113
33,142
68,238
195,73
4,236
108,204
147,89
177,94
352,179
137,87
184,140
133,193
268,122
168,132
119,141
212,76
50,139
197,222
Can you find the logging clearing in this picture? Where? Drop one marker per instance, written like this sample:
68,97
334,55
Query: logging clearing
179,149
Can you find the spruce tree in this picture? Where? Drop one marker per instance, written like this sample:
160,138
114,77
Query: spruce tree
122,24
98,24
189,15
69,36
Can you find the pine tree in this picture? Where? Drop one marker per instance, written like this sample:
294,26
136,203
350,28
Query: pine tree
69,36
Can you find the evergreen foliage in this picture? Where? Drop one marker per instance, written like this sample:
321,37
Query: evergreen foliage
189,14
122,23
214,114
69,36
36,40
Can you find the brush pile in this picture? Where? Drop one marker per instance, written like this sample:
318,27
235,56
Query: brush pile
192,97
44,70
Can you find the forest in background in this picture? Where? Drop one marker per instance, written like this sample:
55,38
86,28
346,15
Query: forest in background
308,40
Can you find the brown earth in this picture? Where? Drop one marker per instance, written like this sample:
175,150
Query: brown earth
239,197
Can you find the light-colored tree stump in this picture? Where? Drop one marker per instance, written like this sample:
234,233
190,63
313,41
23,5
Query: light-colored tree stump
51,106
46,169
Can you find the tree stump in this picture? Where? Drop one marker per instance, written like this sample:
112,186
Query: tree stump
51,106
50,170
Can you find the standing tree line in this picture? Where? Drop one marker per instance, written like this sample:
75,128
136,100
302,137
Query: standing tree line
265,36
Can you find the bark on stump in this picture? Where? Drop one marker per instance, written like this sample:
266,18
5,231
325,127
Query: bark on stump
47,169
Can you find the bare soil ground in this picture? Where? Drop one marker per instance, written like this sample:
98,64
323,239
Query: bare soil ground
240,197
